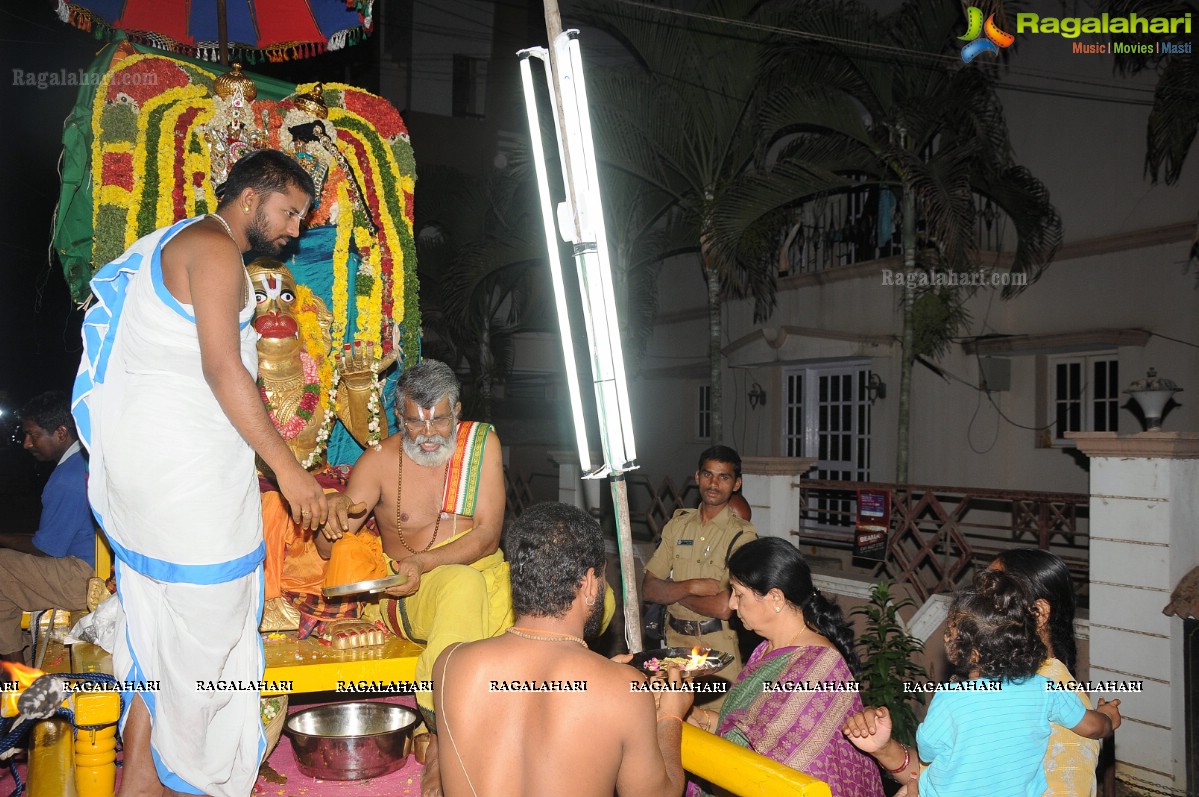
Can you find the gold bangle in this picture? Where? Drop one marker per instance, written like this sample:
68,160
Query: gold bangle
670,717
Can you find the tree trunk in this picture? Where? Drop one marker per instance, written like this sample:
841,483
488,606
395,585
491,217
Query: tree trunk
715,393
906,356
486,372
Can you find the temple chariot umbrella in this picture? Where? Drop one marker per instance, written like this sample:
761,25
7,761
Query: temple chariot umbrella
247,30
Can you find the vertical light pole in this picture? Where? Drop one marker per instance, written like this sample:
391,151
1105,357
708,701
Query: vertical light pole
580,222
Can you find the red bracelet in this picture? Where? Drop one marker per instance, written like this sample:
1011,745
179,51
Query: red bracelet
907,759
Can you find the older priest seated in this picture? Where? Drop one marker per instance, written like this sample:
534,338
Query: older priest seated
437,493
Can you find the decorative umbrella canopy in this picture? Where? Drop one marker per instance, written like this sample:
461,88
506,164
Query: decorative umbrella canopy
256,30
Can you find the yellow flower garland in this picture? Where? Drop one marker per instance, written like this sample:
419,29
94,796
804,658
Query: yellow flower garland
367,326
110,194
187,98
198,162
387,234
313,338
164,160
118,196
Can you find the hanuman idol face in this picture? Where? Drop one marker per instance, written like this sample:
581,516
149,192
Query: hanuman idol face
275,295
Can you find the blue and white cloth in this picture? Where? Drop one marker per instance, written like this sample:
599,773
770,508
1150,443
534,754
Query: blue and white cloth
173,485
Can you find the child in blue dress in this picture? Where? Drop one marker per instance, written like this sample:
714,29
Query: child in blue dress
987,733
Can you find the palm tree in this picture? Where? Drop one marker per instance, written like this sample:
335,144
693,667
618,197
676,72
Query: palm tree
680,119
644,230
479,271
482,267
1174,119
885,102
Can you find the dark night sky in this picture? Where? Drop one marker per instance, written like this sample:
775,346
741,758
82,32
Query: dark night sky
39,332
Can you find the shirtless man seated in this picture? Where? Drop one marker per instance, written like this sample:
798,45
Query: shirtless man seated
437,492
533,711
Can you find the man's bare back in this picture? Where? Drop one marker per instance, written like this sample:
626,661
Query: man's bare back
578,741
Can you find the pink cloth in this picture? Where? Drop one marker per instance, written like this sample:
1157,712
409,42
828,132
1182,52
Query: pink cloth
801,728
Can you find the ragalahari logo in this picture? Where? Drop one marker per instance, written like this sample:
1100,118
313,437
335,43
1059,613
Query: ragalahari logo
995,39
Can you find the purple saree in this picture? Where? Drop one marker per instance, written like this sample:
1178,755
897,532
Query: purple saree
786,705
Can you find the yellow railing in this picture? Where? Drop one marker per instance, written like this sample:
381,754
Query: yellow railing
744,772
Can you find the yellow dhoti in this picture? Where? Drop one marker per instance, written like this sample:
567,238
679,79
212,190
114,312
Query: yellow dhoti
455,603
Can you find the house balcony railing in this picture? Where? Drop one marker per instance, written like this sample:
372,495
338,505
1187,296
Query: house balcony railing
863,225
939,535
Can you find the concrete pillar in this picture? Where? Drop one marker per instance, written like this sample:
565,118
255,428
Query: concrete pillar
1144,538
771,486
572,488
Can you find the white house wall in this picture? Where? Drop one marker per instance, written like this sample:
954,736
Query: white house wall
1122,268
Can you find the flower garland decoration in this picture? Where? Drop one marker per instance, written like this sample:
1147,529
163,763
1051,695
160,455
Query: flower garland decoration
199,193
374,406
121,126
365,293
380,201
315,342
155,159
395,229
172,157
309,400
317,455
150,165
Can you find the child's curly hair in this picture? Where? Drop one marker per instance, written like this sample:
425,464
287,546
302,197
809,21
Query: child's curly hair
992,629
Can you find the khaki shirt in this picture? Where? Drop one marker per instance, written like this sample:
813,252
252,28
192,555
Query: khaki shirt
692,549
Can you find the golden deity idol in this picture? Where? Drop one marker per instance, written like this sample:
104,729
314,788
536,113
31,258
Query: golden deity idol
304,385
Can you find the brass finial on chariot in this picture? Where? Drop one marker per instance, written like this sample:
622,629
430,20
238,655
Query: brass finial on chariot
227,84
313,102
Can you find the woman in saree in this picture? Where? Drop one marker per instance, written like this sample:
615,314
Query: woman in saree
799,686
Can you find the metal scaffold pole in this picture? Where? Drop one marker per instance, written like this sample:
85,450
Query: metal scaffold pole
580,222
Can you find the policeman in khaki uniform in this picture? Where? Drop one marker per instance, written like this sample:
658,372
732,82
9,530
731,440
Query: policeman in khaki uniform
689,571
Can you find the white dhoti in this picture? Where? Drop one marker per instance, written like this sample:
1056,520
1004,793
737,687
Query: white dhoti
173,485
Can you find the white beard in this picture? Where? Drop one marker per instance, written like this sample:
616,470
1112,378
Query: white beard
429,459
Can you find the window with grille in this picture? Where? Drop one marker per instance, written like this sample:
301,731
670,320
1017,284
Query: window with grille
1084,394
703,419
827,416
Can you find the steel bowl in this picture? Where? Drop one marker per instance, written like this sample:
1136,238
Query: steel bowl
351,741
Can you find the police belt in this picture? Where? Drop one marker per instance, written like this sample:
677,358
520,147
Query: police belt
695,627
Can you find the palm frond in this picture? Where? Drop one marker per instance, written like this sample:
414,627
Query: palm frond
1026,201
1174,118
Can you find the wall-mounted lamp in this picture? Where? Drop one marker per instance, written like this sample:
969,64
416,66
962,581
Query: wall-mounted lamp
876,388
1153,393
757,396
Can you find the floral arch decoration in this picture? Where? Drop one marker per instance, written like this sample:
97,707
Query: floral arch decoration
165,130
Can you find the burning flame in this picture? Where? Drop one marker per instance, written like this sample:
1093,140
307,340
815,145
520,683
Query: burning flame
24,676
699,658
